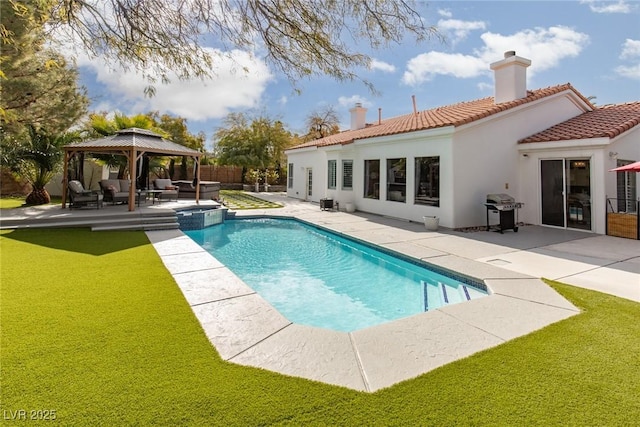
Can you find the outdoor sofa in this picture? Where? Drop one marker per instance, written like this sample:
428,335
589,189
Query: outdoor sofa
209,190
115,190
169,190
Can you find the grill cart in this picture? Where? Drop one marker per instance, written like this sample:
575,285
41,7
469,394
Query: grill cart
507,209
326,204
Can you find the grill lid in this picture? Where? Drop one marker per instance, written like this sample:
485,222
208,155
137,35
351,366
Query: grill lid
500,199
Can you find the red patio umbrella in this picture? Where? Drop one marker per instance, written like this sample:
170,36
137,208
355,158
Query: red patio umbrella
632,167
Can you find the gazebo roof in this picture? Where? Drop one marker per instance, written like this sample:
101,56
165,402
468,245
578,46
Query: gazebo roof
140,140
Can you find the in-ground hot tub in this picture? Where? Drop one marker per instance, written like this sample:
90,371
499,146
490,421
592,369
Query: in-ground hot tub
199,218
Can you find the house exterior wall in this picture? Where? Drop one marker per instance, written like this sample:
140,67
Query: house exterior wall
409,146
486,158
530,178
303,160
625,147
475,159
602,182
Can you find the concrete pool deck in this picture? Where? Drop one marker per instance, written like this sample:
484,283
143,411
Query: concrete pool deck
247,330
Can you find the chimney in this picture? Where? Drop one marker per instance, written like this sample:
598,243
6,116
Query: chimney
510,77
358,117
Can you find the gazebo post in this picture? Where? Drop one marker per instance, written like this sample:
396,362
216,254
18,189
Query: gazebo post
132,174
65,178
197,160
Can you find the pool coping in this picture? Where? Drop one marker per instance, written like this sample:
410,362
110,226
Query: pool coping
246,329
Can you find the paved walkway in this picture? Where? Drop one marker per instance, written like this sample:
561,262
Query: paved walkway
245,329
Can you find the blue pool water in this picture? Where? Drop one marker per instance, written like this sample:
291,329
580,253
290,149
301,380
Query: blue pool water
318,278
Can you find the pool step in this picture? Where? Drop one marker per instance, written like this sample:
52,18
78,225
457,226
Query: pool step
442,294
99,220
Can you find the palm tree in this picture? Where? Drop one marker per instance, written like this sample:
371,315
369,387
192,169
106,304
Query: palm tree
38,158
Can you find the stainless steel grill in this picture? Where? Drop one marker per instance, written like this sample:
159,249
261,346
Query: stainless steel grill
507,208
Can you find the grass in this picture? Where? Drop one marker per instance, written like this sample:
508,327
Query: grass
239,200
96,329
11,202
19,202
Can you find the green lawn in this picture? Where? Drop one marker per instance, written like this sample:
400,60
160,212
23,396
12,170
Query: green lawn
11,202
239,200
95,329
18,202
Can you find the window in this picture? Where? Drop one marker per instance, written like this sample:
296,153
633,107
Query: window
332,174
372,179
397,180
427,181
290,176
347,174
626,188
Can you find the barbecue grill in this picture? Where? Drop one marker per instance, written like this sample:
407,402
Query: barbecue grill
326,204
507,209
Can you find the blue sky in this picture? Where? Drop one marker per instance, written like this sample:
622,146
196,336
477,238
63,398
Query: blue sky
594,45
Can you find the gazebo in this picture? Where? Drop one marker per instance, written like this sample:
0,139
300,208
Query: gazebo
133,143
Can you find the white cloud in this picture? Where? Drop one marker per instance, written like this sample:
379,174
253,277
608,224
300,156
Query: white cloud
484,87
631,52
546,47
630,49
239,81
446,13
459,29
382,66
631,72
283,100
350,101
609,7
426,66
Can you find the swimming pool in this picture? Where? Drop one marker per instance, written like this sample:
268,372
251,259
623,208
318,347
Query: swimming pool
318,278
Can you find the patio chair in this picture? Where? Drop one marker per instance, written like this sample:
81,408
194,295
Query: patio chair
80,197
169,191
115,190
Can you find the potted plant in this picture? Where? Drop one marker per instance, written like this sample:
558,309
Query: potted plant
254,175
431,222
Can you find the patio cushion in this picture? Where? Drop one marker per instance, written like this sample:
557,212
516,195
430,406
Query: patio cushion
80,197
76,186
162,183
115,190
111,185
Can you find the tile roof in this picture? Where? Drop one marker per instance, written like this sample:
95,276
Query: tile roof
607,121
450,115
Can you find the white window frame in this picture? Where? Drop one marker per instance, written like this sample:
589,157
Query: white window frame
344,175
332,174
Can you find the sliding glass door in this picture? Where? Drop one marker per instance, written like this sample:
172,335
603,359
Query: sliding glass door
552,185
566,193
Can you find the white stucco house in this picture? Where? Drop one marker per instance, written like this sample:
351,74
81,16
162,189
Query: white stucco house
550,149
